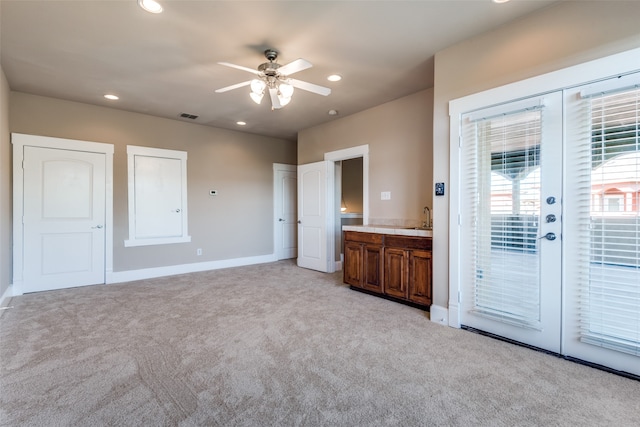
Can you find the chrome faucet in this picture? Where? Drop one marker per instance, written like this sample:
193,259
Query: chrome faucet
427,212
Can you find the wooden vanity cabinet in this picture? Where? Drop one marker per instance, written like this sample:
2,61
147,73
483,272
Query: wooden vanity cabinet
394,266
363,260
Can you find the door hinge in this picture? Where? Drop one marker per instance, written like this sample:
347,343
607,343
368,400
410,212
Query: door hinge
459,297
459,141
459,219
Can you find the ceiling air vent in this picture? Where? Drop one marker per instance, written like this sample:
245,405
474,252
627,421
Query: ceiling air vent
188,116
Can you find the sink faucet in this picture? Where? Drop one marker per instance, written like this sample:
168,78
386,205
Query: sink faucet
427,212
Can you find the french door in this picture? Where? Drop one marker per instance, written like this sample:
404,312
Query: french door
602,256
511,220
550,222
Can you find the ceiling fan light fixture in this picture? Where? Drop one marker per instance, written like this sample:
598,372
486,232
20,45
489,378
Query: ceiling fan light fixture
284,100
286,90
151,6
257,97
257,86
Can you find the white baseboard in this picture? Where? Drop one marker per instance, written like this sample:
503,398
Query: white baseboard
439,315
150,273
4,299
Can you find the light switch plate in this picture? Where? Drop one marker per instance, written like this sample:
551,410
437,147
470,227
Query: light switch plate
385,195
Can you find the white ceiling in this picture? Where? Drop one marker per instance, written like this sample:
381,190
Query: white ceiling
166,64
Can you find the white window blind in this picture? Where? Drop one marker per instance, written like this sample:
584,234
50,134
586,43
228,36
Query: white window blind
608,170
501,164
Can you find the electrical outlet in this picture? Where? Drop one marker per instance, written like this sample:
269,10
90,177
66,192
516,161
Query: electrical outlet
213,192
199,251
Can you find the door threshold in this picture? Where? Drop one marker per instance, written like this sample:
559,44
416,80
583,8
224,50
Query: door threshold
553,353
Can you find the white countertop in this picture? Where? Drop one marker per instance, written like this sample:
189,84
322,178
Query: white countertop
384,229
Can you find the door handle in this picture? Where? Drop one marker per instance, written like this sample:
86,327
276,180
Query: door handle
548,236
299,222
97,226
280,219
177,210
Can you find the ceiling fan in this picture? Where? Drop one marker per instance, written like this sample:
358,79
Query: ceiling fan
275,78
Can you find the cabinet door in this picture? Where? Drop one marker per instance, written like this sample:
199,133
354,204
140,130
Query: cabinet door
396,272
353,263
372,268
420,277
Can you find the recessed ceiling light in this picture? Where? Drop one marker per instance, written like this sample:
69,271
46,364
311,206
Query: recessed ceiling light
333,112
150,6
241,123
334,78
500,1
111,97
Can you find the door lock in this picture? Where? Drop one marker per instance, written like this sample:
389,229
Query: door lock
548,236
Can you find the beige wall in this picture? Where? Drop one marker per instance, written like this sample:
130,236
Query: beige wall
237,223
400,146
565,34
5,185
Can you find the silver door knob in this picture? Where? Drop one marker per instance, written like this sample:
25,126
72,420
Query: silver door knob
549,236
177,210
551,218
299,222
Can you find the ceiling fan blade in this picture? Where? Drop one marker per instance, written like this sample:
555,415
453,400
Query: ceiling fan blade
275,102
240,67
310,87
295,66
235,86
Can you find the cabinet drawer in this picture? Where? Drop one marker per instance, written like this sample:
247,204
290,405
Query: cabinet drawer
355,236
407,242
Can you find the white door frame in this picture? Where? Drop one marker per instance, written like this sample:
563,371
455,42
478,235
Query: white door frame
278,167
346,154
19,141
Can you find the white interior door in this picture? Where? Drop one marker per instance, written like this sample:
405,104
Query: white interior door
315,216
64,218
512,176
286,227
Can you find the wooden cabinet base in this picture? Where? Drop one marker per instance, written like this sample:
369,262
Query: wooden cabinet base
390,298
397,268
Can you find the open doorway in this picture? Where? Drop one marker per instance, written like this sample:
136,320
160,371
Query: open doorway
351,191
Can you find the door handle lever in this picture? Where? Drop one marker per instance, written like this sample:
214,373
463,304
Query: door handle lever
548,236
97,226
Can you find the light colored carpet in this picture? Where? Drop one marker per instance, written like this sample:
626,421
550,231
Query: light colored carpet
276,345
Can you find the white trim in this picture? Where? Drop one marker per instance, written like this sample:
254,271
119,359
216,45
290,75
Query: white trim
19,141
4,299
439,315
353,153
171,270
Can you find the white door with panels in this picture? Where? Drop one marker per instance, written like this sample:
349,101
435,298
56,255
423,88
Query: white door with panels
315,216
511,211
64,218
285,202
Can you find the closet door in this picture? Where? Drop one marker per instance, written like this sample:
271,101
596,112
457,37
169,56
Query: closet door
510,220
602,230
